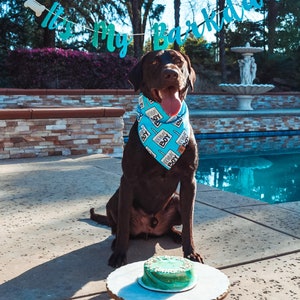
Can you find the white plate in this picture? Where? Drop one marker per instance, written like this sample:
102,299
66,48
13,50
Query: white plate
122,284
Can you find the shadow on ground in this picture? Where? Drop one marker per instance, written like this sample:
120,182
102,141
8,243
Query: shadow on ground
61,277
65,276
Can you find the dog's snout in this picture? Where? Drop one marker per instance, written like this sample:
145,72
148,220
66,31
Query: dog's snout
170,74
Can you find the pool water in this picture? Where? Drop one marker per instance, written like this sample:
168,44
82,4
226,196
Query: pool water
273,178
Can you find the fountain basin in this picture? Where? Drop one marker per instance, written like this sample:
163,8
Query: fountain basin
246,89
244,92
247,50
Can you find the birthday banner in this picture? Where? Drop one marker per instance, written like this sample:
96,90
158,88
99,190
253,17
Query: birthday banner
55,19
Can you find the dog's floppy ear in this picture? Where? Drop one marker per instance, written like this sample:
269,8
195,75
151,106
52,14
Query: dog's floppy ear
192,74
135,76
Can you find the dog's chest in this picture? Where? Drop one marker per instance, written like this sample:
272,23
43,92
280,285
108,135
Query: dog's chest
156,223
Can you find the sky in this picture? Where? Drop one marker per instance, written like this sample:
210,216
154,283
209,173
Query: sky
186,13
191,10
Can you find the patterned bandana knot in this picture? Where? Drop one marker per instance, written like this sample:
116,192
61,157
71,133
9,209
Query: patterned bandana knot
164,137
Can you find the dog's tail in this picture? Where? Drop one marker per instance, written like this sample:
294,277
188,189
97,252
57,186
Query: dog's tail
101,219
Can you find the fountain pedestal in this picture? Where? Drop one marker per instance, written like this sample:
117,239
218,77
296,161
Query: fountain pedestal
246,89
244,102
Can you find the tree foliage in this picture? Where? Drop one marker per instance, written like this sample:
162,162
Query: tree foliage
22,28
278,33
199,51
139,12
17,26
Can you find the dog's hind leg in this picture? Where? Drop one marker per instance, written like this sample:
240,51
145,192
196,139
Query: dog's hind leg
110,219
175,235
100,219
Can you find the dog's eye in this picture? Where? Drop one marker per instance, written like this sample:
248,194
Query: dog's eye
178,61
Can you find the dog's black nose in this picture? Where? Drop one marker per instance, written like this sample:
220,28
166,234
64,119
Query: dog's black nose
170,74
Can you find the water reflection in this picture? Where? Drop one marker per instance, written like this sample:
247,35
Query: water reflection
271,178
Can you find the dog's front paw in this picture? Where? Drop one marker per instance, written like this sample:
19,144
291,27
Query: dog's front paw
117,260
195,257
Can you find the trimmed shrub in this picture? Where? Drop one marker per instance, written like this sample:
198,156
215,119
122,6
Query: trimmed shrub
59,68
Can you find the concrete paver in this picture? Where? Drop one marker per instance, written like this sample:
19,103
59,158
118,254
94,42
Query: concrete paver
276,278
51,250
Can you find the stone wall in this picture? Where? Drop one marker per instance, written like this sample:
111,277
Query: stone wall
243,123
249,145
17,98
273,115
30,98
66,131
127,99
242,132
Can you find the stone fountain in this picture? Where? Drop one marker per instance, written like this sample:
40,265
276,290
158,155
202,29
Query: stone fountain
246,89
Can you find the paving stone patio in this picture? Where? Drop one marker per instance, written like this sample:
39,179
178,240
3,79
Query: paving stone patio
51,250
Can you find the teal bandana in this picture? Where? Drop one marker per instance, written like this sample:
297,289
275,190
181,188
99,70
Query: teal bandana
164,137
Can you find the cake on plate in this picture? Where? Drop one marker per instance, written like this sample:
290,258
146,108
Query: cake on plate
168,273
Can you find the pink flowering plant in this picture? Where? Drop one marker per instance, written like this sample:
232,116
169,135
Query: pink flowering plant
62,69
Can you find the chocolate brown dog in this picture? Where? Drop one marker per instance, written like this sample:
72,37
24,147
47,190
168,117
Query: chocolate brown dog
146,201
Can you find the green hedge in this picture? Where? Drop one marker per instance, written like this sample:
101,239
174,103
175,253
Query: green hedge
62,69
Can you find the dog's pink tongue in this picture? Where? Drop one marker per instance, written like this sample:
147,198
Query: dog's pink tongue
171,102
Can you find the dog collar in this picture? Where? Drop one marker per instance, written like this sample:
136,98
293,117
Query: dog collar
164,137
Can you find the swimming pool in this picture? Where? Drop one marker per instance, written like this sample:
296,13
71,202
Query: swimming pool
273,178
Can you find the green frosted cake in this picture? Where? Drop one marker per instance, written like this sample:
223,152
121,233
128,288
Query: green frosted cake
168,273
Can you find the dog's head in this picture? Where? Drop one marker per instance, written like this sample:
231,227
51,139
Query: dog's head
164,76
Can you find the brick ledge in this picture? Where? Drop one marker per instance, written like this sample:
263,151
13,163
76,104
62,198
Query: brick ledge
61,112
117,92
81,92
